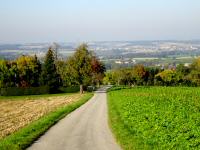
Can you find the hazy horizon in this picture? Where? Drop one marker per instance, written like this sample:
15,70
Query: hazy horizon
98,20
98,41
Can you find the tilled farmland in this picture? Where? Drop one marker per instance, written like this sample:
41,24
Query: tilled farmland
17,114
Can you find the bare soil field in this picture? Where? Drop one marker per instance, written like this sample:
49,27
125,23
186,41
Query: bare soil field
16,114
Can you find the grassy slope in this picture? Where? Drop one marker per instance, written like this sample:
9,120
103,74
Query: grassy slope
27,135
156,117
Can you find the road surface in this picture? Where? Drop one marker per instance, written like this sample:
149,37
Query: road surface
84,129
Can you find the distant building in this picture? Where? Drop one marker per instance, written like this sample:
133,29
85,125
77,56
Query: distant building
118,62
133,61
187,64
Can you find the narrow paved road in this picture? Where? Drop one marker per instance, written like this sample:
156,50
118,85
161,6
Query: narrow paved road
84,129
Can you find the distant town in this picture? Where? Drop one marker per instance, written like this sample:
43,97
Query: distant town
116,54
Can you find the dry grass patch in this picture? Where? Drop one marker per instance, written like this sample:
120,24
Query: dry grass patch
16,114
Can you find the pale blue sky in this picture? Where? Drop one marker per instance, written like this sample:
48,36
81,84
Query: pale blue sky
98,20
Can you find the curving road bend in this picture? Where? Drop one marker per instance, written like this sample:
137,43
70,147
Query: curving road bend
84,129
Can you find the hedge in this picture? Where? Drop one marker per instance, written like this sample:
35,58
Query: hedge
19,91
16,91
71,89
91,88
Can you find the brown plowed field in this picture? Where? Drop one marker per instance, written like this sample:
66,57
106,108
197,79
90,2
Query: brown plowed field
15,114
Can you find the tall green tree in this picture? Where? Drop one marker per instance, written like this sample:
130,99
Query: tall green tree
60,67
79,68
50,77
37,69
4,73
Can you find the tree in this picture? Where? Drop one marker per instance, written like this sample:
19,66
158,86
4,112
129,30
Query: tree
24,72
13,74
194,75
119,77
79,68
152,71
50,76
4,73
29,69
60,67
168,77
112,77
140,74
183,69
98,70
127,77
55,48
37,69
107,80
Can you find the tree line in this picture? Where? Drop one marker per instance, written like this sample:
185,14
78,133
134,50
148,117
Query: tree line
83,68
150,76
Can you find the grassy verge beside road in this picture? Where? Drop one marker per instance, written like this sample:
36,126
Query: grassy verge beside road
25,136
156,117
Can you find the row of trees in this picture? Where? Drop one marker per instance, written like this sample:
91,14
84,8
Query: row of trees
22,72
83,68
140,75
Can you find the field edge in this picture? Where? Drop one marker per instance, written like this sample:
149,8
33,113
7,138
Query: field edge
118,129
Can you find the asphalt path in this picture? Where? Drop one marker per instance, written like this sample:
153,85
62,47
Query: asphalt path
84,129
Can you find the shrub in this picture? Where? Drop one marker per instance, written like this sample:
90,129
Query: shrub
71,89
16,91
91,88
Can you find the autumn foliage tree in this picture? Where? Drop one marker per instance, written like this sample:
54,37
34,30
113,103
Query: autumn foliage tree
98,70
140,74
168,77
29,69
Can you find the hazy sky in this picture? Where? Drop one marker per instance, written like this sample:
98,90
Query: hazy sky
98,20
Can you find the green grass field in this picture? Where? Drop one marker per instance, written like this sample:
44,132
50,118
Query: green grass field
156,117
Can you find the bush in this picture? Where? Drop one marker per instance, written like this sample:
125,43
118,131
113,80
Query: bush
71,89
115,88
16,91
91,88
